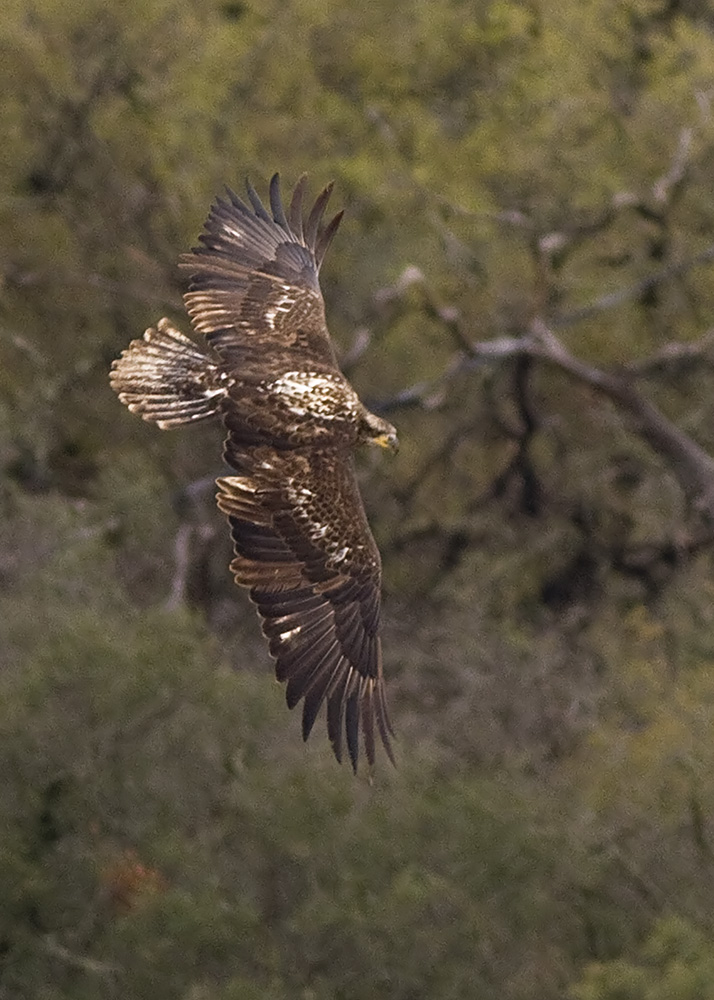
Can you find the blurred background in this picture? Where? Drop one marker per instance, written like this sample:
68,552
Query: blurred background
524,284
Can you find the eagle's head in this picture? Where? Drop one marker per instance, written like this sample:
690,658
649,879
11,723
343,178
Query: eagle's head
374,430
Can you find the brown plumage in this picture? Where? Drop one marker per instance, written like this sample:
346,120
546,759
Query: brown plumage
301,539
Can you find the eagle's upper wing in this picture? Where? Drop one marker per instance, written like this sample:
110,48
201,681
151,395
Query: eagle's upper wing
253,287
304,548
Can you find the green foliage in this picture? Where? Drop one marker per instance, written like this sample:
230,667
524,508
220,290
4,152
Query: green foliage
548,626
161,837
675,963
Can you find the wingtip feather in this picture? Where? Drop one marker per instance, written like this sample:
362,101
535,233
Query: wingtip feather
295,211
276,203
316,213
325,237
255,201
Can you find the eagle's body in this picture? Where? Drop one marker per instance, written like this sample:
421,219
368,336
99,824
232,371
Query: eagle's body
301,538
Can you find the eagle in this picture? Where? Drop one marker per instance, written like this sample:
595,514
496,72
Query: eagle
266,368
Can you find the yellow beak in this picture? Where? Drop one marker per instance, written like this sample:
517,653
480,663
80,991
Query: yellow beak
390,441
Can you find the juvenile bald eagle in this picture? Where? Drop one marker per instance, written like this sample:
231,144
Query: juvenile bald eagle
269,372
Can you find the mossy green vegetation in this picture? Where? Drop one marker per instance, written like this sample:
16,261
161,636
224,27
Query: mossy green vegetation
548,626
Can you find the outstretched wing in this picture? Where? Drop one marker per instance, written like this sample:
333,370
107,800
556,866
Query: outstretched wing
304,548
254,290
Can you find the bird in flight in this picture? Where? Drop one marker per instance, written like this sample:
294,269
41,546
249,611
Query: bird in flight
268,371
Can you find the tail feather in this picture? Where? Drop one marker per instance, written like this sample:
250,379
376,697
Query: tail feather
167,379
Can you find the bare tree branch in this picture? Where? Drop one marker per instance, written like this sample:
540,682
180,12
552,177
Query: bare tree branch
360,343
692,466
187,503
632,292
147,294
56,950
674,356
182,564
667,185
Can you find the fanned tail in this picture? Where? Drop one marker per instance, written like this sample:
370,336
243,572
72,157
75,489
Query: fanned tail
167,379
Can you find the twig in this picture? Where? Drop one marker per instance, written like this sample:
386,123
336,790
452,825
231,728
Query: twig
669,182
673,355
57,950
182,562
692,466
632,292
360,343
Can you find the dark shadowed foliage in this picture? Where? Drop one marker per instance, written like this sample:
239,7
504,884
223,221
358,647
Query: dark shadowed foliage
522,284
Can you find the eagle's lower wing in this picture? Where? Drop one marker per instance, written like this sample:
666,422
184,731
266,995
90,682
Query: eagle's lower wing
305,550
253,286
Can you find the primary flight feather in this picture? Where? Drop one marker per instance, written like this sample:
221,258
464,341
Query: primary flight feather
269,372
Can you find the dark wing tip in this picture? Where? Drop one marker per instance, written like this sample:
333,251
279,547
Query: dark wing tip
310,233
325,237
235,200
295,210
352,705
276,203
255,201
352,714
312,226
354,701
383,724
